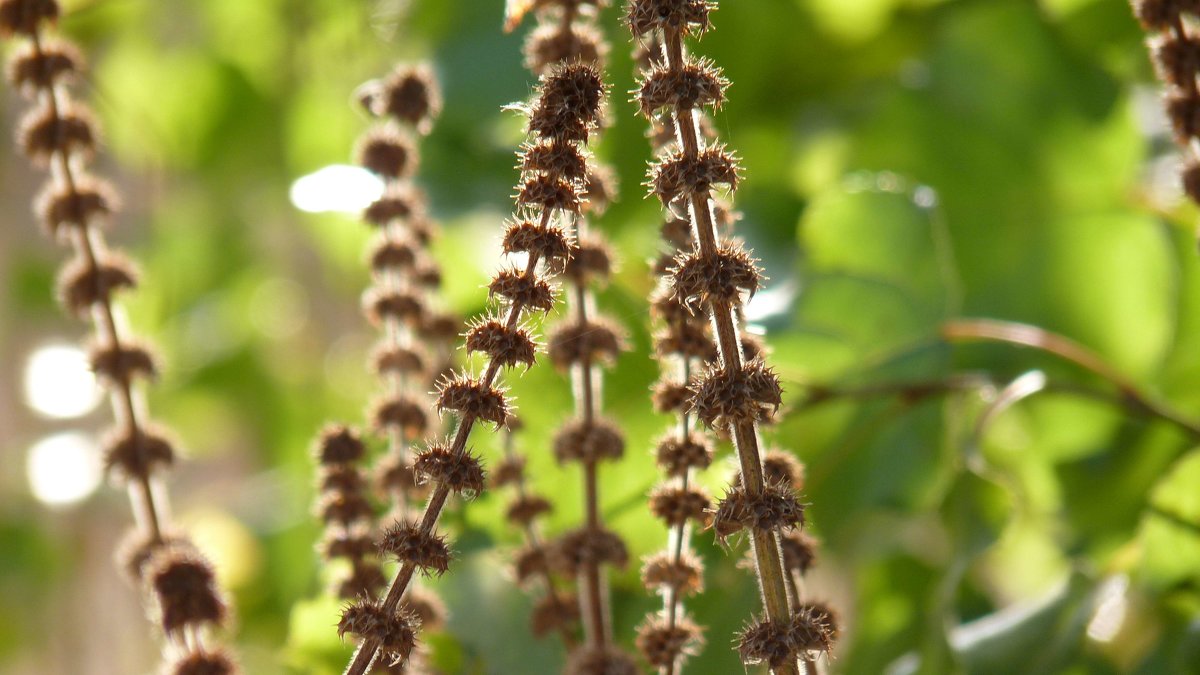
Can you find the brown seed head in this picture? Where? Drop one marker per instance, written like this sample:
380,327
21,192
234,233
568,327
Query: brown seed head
675,505
663,643
591,261
43,66
184,586
405,306
530,562
783,468
442,326
689,339
606,660
67,130
676,456
814,627
1183,108
339,444
552,612
583,441
120,365
387,151
549,45
510,470
669,397
461,473
720,398
776,508
554,158
409,543
340,478
389,358
700,279
404,412
470,398
352,544
88,202
344,508
589,546
799,550
394,632
685,576
138,547
697,84
765,641
584,343
410,94
426,606
400,201
680,175
390,255
550,193
1177,59
527,290
24,17
82,284
682,16
202,663
134,454
549,243
503,345
525,508
366,579
569,103
394,473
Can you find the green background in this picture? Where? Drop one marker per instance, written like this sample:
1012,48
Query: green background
907,162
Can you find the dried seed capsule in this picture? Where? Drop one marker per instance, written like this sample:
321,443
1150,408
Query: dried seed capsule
402,412
591,260
344,508
685,16
550,193
394,473
669,397
685,576
120,364
529,562
203,663
680,175
82,204
525,508
675,505
470,398
411,94
662,643
1183,108
701,279
503,345
389,358
137,547
677,455
570,99
588,546
83,283
527,290
775,508
184,586
25,16
409,543
43,66
607,660
697,84
426,606
584,441
387,151
549,45
65,130
587,342
395,632
814,627
366,579
388,255
765,641
720,398
688,339
599,189
131,454
549,243
799,550
510,470
461,473
400,201
353,544
404,306
339,444
554,611
554,158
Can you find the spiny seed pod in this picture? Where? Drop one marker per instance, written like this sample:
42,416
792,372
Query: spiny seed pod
83,283
66,130
387,151
585,342
678,455
584,441
470,397
682,16
26,16
461,473
137,548
591,546
549,45
503,345
132,454
394,632
408,542
663,642
700,279
684,575
720,397
203,663
34,67
605,660
775,508
120,365
698,84
184,586
677,505
339,444
87,202
554,612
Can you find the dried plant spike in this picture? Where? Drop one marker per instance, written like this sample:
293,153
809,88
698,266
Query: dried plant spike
664,642
394,632
59,133
565,94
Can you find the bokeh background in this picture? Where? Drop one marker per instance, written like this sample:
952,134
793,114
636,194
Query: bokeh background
908,162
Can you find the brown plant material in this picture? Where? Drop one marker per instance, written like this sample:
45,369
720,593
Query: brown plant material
59,133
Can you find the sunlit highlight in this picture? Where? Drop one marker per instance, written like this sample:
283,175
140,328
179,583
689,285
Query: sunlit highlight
64,469
338,188
59,382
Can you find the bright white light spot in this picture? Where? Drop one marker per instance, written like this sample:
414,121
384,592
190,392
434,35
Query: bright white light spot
338,187
925,197
59,382
771,302
63,469
1111,606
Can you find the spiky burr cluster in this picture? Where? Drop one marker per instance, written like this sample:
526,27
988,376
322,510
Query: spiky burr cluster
735,394
581,344
59,133
567,109
536,562
1175,51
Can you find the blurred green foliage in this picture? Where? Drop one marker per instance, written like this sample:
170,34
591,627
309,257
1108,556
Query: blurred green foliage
908,162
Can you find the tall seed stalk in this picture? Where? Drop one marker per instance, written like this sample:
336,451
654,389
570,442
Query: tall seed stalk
59,133
736,394
567,109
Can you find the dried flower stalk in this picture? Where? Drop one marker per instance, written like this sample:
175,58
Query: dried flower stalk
736,394
1175,51
555,611
567,109
567,33
59,133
